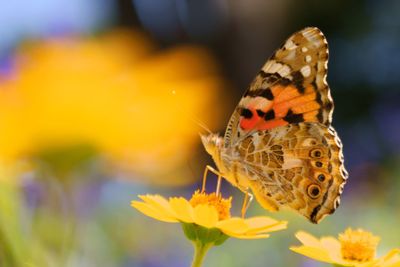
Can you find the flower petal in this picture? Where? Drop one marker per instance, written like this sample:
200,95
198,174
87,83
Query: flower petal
315,253
245,236
205,215
160,204
264,225
182,208
372,263
394,264
150,211
332,245
233,226
156,200
307,239
391,259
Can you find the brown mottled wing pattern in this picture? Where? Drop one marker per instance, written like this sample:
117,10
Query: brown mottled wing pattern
290,88
298,165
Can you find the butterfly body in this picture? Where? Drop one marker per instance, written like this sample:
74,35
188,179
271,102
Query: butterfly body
279,142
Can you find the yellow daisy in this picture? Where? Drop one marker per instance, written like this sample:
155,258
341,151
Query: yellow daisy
206,220
208,211
352,248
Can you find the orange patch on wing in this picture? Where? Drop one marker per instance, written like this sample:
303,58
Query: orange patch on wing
285,98
306,107
271,124
250,123
282,108
288,92
309,89
277,90
311,116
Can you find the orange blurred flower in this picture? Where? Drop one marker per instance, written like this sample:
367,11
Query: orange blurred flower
112,92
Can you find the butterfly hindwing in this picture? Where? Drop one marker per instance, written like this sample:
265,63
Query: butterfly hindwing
290,88
298,165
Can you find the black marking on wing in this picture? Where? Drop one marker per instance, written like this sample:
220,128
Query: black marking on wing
246,113
266,93
274,78
315,211
293,118
326,193
269,115
329,105
298,80
269,79
320,117
313,215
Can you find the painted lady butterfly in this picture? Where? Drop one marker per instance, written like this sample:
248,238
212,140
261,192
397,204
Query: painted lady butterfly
279,141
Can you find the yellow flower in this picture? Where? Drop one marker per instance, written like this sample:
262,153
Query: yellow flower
352,248
112,93
208,211
206,220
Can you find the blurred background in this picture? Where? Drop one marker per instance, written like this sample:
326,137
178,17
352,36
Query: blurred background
98,103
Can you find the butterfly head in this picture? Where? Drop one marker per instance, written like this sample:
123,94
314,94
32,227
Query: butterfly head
212,143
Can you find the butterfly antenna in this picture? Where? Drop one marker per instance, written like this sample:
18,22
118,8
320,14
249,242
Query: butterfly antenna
195,119
202,125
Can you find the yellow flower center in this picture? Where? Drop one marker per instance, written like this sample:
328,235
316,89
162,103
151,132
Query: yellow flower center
358,245
222,205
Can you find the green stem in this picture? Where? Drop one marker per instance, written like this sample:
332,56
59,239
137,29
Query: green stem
200,250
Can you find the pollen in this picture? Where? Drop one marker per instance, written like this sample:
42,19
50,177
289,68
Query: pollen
222,205
358,245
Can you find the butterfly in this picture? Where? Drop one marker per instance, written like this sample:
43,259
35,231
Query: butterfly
279,143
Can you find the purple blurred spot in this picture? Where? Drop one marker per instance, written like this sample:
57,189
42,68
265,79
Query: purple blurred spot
33,191
7,66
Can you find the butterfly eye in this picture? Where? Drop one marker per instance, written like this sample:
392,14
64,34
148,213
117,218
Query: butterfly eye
316,153
313,191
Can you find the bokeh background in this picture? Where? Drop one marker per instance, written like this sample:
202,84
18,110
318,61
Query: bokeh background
99,102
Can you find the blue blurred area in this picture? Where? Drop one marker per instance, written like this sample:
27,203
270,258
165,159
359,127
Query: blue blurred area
21,20
174,20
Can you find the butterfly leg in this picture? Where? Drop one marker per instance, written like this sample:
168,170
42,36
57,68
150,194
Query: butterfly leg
248,198
211,169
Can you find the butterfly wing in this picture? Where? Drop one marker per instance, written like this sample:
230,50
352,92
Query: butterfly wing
290,88
298,166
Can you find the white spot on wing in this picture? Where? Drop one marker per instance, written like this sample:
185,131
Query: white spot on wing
290,162
306,71
308,58
291,55
256,102
273,67
290,45
304,49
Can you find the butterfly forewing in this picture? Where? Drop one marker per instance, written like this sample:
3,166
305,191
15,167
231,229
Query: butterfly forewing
290,88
